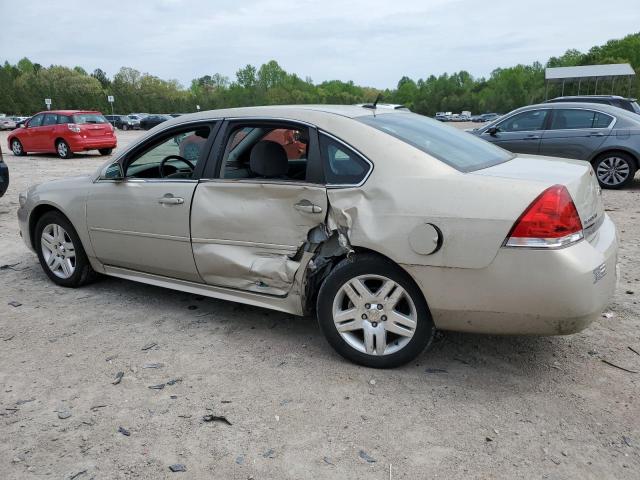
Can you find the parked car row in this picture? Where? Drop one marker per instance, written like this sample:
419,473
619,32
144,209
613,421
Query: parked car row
11,123
465,117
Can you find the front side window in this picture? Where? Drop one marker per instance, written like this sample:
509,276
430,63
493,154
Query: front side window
50,119
174,157
342,166
36,121
268,152
461,150
524,122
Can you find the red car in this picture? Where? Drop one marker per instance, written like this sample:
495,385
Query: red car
64,132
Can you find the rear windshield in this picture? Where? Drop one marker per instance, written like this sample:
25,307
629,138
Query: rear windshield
89,118
462,150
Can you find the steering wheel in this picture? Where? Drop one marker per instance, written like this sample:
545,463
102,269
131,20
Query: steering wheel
175,157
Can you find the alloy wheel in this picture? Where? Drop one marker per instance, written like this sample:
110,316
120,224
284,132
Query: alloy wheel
374,315
16,147
613,171
62,149
58,251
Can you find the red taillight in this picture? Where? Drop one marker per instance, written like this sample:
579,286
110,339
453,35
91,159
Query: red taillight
73,127
550,221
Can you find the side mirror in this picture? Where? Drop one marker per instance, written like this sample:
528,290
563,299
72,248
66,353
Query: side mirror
113,172
492,130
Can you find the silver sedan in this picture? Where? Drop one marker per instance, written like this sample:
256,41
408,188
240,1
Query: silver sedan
607,137
386,224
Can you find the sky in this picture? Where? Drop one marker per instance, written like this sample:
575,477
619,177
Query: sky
374,43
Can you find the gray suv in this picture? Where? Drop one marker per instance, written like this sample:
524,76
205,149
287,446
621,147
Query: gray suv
607,137
629,104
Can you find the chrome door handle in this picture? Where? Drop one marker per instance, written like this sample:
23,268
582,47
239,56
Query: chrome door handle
307,207
171,200
596,134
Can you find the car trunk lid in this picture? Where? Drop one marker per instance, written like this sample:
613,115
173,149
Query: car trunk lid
577,176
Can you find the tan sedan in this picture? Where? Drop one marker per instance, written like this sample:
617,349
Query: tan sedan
385,223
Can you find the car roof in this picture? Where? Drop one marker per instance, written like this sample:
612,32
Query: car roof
293,112
68,112
604,97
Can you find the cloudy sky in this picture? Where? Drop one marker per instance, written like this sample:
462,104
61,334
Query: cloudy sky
370,42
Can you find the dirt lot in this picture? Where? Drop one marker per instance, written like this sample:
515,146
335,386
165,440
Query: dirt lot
472,407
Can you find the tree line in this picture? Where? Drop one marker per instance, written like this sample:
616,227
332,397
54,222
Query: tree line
25,85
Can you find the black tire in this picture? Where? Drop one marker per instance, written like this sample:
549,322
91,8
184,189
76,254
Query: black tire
611,166
371,264
16,146
125,127
83,272
63,150
105,151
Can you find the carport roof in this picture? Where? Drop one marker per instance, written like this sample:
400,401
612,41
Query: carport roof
589,71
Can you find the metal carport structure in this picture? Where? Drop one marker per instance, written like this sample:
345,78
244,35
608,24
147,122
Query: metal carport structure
587,73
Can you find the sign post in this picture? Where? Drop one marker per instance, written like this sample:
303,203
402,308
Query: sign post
111,99
198,107
47,102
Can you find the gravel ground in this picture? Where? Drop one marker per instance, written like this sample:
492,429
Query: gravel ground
472,407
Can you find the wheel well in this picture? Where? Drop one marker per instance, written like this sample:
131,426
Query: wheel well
36,214
618,151
59,139
313,287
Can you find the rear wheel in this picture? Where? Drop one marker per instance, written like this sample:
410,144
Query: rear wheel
60,252
372,313
63,149
16,148
125,127
614,170
105,151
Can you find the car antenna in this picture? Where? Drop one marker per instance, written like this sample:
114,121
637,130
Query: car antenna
375,104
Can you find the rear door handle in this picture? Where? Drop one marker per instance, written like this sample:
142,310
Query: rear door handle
307,207
532,137
166,200
596,134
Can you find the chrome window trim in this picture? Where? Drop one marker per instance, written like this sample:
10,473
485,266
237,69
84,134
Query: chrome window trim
261,181
357,152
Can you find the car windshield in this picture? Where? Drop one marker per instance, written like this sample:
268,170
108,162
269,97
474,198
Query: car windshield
461,150
81,118
635,106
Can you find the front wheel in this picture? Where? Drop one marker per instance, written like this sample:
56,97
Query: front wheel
105,151
125,127
63,149
372,313
614,170
17,149
60,251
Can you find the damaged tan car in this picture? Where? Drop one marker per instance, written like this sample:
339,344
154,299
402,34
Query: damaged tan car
385,223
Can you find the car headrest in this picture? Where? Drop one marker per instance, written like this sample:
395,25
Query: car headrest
269,159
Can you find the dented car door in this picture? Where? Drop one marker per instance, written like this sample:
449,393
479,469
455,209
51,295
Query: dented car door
247,233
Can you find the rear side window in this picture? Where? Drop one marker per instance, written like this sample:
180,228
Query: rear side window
64,119
462,150
81,118
50,119
578,119
342,166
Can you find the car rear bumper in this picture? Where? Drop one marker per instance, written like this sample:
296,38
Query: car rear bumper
526,291
80,144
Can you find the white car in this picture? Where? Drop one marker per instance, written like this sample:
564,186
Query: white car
386,224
